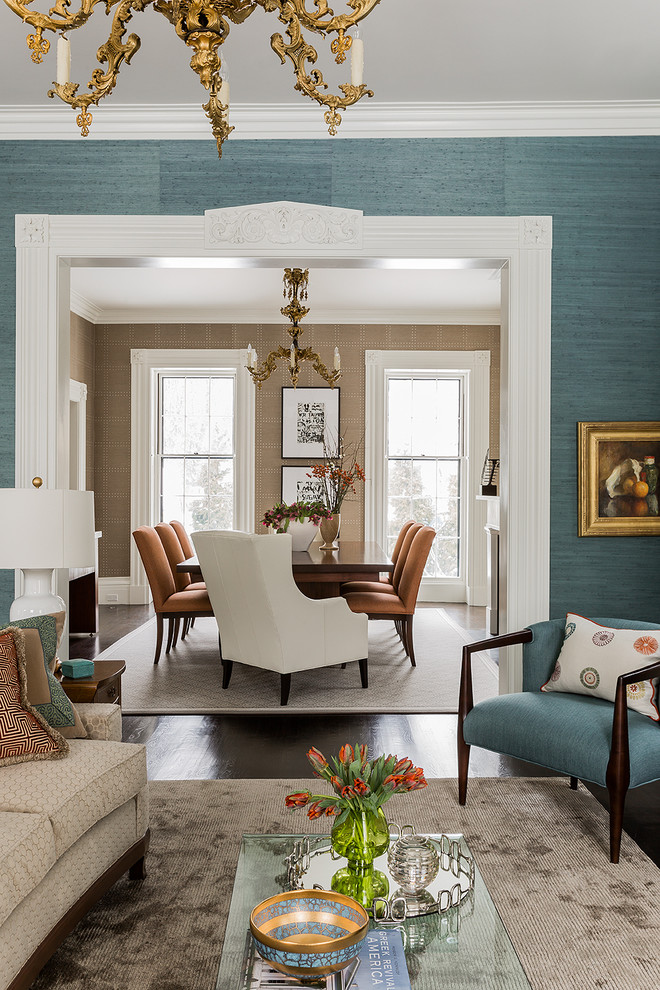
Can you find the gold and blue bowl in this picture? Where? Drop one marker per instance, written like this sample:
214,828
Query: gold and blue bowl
309,933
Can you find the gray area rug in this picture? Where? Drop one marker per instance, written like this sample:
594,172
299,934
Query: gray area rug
188,680
577,921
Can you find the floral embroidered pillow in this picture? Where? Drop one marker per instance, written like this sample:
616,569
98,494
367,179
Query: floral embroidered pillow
593,656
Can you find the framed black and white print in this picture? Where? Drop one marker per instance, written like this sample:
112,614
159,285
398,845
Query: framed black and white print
297,487
309,414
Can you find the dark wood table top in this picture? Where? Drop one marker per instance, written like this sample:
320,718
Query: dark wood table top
358,557
352,557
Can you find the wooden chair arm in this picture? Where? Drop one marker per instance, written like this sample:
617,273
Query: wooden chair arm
618,767
642,674
465,696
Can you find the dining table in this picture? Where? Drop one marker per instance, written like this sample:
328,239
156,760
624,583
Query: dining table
320,573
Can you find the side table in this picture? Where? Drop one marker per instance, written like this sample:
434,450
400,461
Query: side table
103,687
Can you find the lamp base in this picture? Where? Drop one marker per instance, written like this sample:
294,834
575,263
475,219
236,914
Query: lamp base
37,597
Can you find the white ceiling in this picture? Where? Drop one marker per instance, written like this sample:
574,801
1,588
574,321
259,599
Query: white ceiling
336,295
473,51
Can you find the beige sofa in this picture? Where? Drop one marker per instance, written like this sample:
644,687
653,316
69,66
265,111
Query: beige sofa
69,829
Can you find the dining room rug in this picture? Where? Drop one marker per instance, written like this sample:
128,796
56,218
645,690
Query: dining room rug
188,680
577,921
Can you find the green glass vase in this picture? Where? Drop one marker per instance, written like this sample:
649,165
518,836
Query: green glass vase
361,837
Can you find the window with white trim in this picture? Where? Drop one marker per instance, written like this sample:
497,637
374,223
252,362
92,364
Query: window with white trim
426,464
426,417
196,449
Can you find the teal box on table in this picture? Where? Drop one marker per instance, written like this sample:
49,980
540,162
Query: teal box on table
78,668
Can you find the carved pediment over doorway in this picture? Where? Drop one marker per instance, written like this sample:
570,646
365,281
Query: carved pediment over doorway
272,226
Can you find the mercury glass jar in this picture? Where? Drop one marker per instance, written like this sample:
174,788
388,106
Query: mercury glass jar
413,862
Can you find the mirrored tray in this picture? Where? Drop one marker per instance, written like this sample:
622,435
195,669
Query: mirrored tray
312,863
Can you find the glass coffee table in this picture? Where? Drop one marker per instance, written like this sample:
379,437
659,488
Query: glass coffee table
461,948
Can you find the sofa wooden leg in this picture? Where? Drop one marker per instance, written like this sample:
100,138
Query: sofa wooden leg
227,666
159,636
138,871
364,672
285,687
574,783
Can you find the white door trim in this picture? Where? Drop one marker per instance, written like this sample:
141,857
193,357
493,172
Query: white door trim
276,234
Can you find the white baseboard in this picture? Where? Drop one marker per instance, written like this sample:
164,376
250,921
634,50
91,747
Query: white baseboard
120,591
439,592
478,595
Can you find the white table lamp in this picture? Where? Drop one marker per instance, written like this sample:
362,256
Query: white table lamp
42,529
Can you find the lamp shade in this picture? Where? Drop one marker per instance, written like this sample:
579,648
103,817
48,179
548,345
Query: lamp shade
46,527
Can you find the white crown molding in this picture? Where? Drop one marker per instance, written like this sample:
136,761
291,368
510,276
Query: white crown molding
186,122
85,308
336,317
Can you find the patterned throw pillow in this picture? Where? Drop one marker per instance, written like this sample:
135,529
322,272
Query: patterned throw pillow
593,656
24,733
45,693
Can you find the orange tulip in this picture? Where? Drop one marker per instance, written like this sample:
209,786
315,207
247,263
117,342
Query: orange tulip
297,800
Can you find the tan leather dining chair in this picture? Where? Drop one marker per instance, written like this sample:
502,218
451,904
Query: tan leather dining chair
182,580
168,602
399,606
184,539
399,554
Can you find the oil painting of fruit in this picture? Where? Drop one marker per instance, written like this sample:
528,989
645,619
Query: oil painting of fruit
618,479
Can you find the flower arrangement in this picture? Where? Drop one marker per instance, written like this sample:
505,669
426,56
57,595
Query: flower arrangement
360,784
337,473
281,514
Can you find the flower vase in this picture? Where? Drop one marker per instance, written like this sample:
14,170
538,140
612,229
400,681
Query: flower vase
330,532
302,533
361,837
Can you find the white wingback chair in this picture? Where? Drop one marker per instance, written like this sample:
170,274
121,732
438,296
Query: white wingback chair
264,620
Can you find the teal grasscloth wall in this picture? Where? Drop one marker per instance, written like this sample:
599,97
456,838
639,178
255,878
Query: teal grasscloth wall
604,197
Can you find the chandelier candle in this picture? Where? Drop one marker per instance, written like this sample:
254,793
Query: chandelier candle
63,60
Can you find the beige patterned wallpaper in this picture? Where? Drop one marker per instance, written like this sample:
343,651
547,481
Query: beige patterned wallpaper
82,367
112,479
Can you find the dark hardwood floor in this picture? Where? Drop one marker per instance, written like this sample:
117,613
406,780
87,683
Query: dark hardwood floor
252,746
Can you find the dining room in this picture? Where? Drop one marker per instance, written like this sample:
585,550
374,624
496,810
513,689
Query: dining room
169,365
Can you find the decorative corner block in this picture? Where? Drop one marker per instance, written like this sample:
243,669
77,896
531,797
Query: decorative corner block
536,232
31,229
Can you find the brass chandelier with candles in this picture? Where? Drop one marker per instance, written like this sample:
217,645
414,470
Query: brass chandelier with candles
295,287
204,26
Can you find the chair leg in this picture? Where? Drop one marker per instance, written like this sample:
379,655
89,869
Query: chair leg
574,783
285,687
408,633
170,634
177,626
227,666
186,626
364,672
617,792
159,636
463,764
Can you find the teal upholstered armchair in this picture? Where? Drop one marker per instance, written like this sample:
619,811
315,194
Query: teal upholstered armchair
585,737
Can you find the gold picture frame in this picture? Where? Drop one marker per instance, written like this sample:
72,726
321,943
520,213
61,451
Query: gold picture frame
618,482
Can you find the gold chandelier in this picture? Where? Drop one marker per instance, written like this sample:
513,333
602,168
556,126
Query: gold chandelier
204,26
295,287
